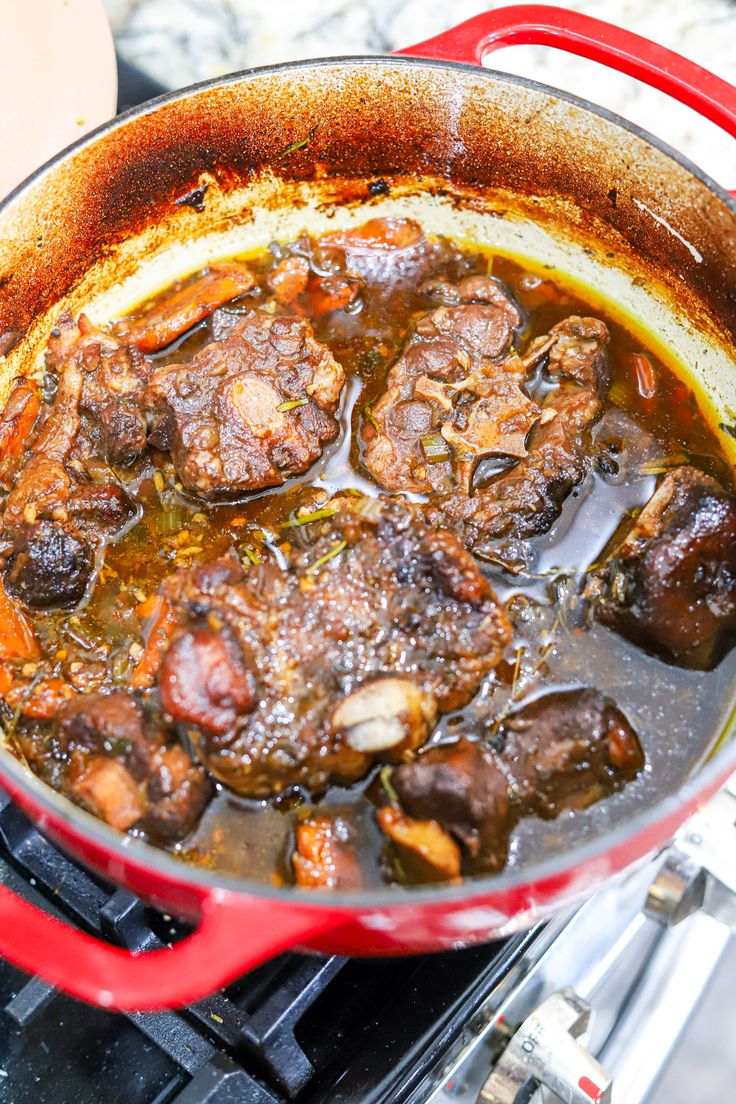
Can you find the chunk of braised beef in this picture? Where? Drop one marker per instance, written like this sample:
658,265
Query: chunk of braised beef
526,500
53,526
454,396
56,522
177,791
123,771
462,786
343,656
109,724
101,379
565,750
670,585
204,681
249,411
568,749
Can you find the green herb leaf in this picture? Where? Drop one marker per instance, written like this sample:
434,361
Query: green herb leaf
171,521
662,464
292,405
435,448
385,775
307,519
334,551
301,143
368,415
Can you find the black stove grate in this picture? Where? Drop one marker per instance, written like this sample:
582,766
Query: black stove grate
295,1029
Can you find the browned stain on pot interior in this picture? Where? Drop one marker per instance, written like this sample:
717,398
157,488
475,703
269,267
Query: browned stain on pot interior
339,127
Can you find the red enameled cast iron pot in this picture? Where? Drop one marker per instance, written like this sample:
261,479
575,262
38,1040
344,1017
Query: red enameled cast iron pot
321,138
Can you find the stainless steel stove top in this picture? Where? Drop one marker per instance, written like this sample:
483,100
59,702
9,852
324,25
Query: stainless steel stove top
597,1006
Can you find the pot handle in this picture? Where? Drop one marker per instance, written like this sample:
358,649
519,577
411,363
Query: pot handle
630,53
234,935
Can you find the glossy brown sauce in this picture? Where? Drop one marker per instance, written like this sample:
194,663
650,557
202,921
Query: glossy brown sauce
652,421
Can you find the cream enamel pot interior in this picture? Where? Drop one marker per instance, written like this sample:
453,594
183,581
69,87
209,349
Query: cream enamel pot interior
229,165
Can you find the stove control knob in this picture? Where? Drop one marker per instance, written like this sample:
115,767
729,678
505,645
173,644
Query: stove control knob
544,1051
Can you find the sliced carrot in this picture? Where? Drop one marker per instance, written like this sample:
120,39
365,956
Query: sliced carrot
17,638
289,279
646,378
18,418
163,625
330,293
178,312
376,233
323,856
43,702
148,607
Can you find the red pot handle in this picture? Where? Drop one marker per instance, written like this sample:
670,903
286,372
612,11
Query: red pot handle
234,935
535,24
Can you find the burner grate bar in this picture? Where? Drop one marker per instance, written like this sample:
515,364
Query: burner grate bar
66,882
221,1018
269,1031
30,1001
183,1043
221,1081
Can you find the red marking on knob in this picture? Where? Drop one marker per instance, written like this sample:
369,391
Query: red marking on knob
590,1089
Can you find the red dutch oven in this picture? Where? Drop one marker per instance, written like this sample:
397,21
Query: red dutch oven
231,163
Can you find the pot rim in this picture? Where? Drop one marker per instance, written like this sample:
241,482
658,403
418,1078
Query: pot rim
154,859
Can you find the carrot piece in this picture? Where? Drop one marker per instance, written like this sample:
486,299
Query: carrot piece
428,853
163,625
181,310
148,607
329,293
44,699
323,856
18,418
6,680
646,379
289,278
376,233
17,638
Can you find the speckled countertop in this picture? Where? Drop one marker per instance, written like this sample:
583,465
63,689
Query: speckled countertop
180,41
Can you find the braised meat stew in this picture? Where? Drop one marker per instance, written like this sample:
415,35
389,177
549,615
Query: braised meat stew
368,558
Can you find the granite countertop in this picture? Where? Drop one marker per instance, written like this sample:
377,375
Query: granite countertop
181,41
